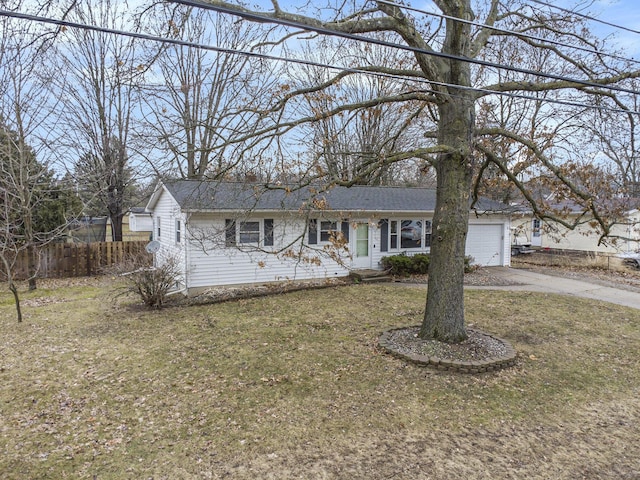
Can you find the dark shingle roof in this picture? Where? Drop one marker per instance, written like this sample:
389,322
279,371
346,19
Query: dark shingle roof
197,195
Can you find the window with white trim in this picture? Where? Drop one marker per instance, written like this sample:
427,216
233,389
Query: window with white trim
323,231
327,230
404,234
249,232
178,231
158,228
393,234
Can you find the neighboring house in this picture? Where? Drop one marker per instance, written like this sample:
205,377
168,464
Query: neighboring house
140,230
550,234
140,223
237,233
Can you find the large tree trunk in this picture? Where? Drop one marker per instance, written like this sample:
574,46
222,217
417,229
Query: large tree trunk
444,312
116,227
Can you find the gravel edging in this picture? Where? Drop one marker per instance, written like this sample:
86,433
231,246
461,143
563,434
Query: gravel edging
499,353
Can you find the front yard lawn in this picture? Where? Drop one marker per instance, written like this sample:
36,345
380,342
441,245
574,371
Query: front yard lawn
294,386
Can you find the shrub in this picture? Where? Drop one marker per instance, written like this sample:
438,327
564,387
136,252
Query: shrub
397,265
403,265
151,284
420,264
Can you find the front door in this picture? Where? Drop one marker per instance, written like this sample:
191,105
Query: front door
362,252
536,233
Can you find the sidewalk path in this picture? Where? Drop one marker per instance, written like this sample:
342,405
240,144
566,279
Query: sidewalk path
526,280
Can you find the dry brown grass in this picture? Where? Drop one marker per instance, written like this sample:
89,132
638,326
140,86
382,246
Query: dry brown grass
293,386
559,258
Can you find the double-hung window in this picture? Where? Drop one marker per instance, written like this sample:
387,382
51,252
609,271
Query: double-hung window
323,231
327,230
393,234
178,231
249,232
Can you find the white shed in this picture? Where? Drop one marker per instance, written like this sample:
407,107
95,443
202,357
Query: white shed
140,220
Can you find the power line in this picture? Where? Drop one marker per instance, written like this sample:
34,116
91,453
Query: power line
510,32
261,18
185,43
588,17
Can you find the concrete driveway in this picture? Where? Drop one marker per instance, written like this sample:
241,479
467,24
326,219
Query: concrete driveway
525,280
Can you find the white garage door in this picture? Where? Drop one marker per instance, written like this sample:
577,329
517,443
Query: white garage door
485,244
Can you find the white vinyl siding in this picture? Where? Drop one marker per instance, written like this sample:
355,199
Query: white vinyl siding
140,222
166,215
206,262
248,264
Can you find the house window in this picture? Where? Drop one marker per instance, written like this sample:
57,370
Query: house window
229,233
393,234
249,232
177,231
427,233
158,229
322,231
411,234
327,229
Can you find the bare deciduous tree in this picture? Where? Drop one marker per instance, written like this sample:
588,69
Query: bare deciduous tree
31,215
454,70
616,141
353,147
99,74
205,98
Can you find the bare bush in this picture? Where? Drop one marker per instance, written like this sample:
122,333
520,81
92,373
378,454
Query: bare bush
151,283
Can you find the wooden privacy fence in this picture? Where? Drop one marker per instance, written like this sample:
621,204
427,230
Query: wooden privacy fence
62,260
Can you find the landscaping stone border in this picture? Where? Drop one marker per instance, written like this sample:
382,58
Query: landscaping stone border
491,364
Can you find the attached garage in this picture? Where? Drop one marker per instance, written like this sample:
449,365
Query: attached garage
485,243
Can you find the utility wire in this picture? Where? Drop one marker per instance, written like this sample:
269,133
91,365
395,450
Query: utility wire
185,43
588,17
261,18
510,32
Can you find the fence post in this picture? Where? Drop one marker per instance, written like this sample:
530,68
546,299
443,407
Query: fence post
88,254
